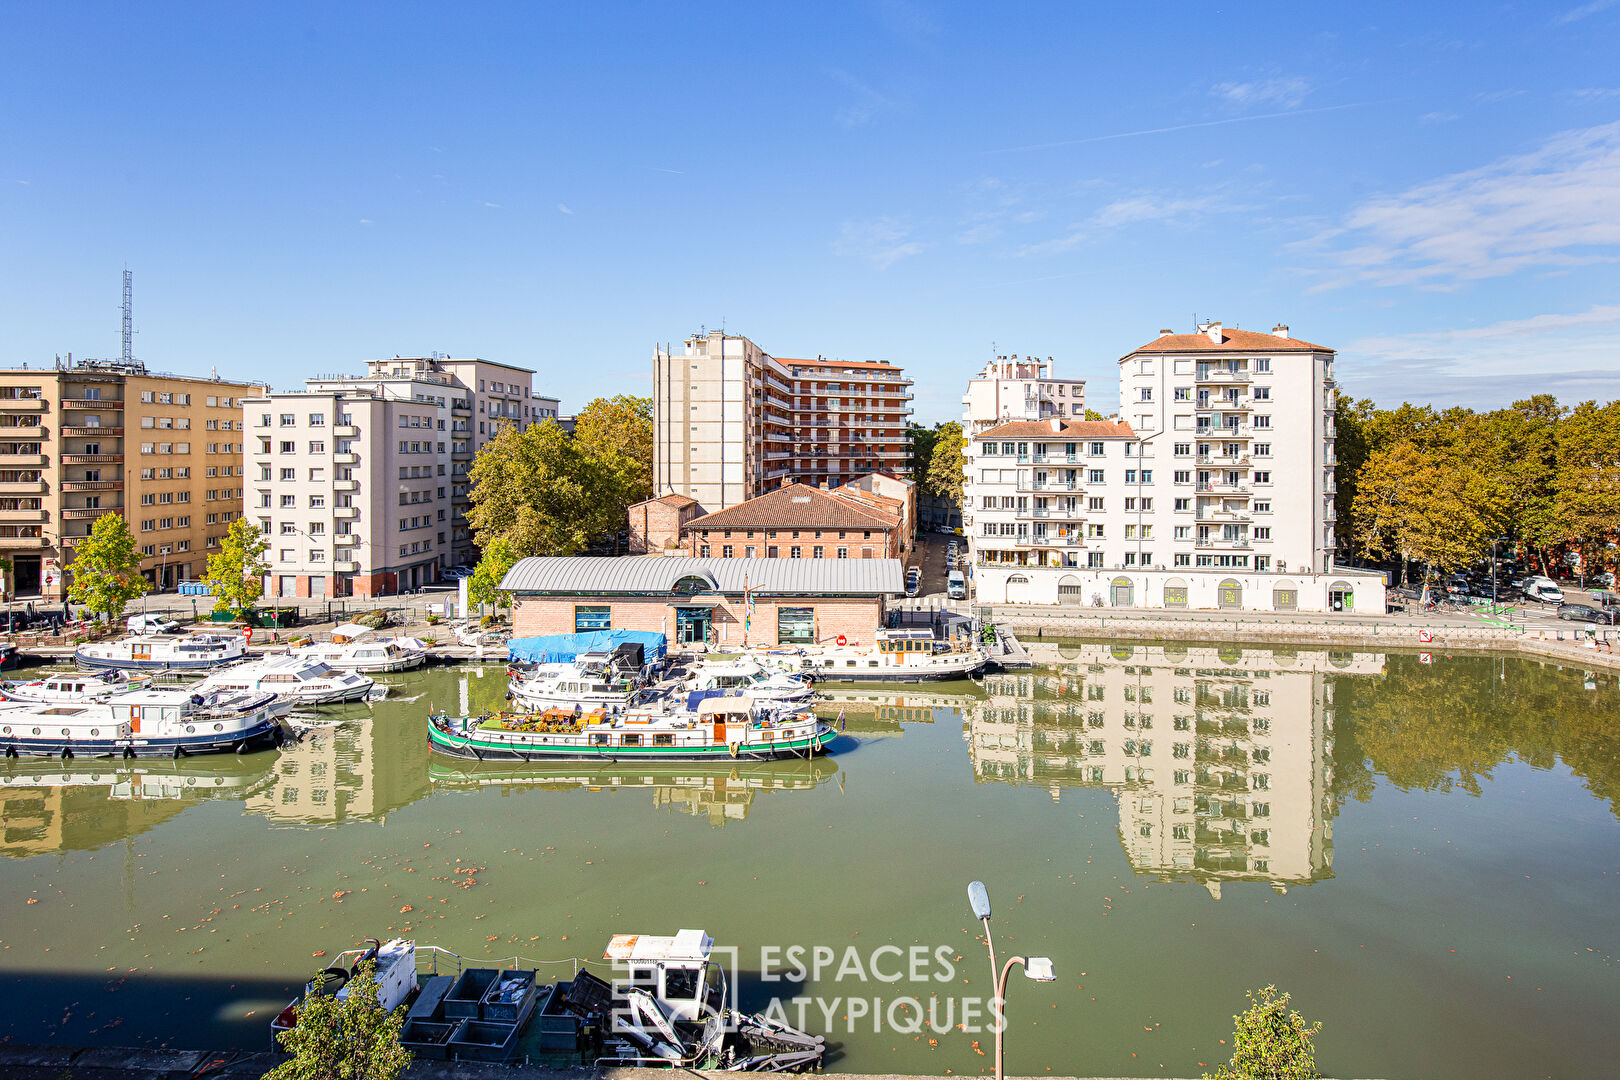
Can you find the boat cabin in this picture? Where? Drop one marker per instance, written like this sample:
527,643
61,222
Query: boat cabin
677,970
906,646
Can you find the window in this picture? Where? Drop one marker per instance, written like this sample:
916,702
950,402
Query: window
1146,393
589,617
1263,364
317,447
1095,449
1262,532
289,529
317,502
1262,506
1095,476
1094,502
1262,393
1182,393
795,626
1262,449
1261,422
1262,476
1130,478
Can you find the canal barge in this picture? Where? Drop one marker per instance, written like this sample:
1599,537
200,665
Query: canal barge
667,1005
74,687
156,722
906,655
708,727
162,652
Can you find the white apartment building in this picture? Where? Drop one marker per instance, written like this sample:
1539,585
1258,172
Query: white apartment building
731,422
1221,759
359,482
1012,389
1214,490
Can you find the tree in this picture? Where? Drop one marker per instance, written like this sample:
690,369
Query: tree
543,492
351,1039
236,572
1270,1042
946,464
1093,414
107,568
618,431
499,557
920,441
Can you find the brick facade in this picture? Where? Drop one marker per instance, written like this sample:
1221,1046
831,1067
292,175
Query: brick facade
857,618
655,525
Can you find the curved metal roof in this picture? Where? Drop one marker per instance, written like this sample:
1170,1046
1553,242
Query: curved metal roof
657,575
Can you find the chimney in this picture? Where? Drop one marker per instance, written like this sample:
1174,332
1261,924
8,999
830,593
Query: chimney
1281,330
1057,425
1214,331
1166,333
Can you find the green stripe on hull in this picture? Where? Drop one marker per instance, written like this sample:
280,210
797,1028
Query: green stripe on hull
459,746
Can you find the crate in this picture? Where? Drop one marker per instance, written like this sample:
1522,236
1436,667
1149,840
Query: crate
510,997
587,996
430,1039
466,997
484,1040
556,1027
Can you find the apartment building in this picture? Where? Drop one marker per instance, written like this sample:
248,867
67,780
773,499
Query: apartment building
91,437
360,481
1221,759
1012,389
732,422
1214,489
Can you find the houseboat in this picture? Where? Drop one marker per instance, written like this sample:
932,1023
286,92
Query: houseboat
163,652
155,722
706,727
897,656
74,687
358,648
295,679
749,677
592,680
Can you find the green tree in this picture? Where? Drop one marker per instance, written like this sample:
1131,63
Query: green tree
351,1039
946,464
236,572
107,568
543,492
920,441
1093,414
1270,1042
499,557
618,431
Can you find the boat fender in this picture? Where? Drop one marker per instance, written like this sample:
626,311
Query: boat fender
179,752
734,747
129,752
11,751
67,752
241,746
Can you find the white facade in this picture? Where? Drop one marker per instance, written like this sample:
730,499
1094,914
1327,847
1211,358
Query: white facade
1012,389
1214,491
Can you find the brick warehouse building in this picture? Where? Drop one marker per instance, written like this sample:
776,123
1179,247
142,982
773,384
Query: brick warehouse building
695,600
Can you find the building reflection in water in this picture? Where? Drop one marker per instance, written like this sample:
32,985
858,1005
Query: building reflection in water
1221,758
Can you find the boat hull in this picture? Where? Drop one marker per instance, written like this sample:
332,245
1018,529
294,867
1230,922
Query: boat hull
263,735
484,749
103,663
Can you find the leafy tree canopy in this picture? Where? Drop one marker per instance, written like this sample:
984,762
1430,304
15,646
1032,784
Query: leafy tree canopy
107,568
236,572
351,1039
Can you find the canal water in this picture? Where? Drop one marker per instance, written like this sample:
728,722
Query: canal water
1422,849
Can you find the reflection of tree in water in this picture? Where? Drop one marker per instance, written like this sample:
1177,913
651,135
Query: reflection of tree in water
1435,727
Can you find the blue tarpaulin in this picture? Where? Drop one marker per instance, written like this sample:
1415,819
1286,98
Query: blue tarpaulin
561,648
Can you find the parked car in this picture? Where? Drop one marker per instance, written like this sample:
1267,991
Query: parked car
1583,613
152,624
456,573
1456,585
1602,580
956,585
1543,591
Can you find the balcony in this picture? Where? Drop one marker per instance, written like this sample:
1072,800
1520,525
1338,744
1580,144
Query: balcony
22,515
1052,485
345,485
346,539
1222,542
23,404
345,459
92,459
91,485
346,567
346,513
345,431
22,487
93,404
92,432
87,512
1222,377
14,542
22,459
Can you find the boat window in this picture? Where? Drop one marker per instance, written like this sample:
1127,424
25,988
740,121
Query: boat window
645,977
680,983
599,738
631,740
663,739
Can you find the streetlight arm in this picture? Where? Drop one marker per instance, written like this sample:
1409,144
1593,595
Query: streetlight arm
1001,1006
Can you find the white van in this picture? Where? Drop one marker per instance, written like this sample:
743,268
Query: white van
152,624
956,585
1543,591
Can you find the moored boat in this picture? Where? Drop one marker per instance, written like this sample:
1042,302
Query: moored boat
297,679
74,687
162,652
708,727
358,648
592,680
897,656
748,677
154,722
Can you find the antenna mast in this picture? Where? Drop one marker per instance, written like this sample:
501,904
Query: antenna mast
129,316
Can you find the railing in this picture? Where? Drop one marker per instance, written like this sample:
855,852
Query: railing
87,511
75,431
104,404
92,459
22,404
1221,377
91,485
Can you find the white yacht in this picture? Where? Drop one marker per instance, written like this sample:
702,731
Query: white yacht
163,652
74,687
297,679
590,681
899,656
753,679
358,648
156,722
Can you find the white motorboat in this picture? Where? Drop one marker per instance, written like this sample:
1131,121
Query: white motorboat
162,652
153,722
904,655
296,679
749,677
591,681
358,648
74,687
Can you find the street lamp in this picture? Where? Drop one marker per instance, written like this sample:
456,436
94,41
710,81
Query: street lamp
1495,541
1037,968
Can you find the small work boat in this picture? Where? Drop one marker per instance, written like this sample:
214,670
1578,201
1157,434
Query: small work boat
162,652
667,1006
708,727
358,648
296,679
751,678
74,687
897,656
154,722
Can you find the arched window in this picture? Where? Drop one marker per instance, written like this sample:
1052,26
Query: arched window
691,585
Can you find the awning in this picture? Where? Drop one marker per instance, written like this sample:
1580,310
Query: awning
697,601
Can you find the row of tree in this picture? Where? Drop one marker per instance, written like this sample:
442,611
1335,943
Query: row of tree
1437,487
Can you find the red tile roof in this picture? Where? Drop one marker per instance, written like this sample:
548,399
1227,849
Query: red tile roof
675,500
796,506
1231,341
1071,429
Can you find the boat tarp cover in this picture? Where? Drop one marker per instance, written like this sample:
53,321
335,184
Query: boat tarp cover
561,648
696,698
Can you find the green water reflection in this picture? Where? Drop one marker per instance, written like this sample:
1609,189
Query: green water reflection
1427,854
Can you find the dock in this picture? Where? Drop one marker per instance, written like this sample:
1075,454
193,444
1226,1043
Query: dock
1008,653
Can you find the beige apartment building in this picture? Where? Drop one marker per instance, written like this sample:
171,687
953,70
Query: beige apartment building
732,422
91,437
359,482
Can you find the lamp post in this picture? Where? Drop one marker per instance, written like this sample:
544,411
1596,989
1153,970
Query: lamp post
1038,968
1494,541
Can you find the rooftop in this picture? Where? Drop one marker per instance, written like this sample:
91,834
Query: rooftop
1231,340
797,506
659,574
1060,429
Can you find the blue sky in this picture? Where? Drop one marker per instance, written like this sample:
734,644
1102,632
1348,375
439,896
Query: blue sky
1432,189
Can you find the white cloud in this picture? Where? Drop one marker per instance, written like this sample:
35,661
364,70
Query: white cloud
1576,14
1286,91
1437,118
562,208
1590,94
366,221
1555,207
1568,354
1143,207
493,205
868,104
882,241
